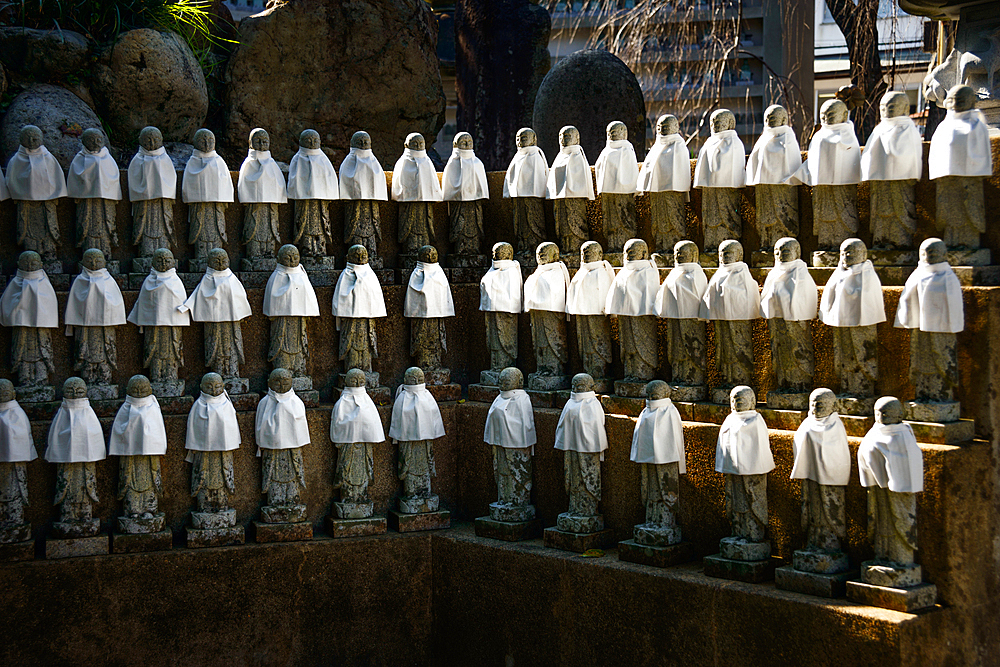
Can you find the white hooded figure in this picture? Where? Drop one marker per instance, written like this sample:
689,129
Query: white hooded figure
416,423
465,188
156,313
720,173
500,300
281,432
632,299
525,184
355,427
207,189
510,432
357,300
312,185
261,188
363,186
428,301
570,186
666,176
585,302
94,308
17,448
30,308
679,302
617,172
35,182
213,434
416,187
152,188
545,299
581,436
289,300
773,160
94,182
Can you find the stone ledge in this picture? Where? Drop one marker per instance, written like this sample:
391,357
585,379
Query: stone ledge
409,523
17,551
98,545
577,542
787,578
508,531
750,572
667,556
215,537
338,528
127,543
897,599
282,532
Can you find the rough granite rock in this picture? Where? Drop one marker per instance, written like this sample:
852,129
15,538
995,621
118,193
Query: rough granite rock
42,54
61,115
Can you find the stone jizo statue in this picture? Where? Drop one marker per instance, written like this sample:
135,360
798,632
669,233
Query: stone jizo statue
94,183
617,172
94,308
207,189
312,183
261,189
152,184
355,428
357,301
666,176
545,299
415,186
510,432
363,185
587,303
500,300
581,436
428,301
157,315
774,159
289,302
465,188
282,431
16,449
30,308
632,299
36,182
679,303
525,185
416,423
212,435
570,186
720,174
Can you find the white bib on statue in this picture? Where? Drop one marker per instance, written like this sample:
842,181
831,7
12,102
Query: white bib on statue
94,176
789,292
775,157
510,423
212,425
889,457
75,435
852,297
94,301
464,177
658,436
500,289
617,168
667,167
821,451
29,301
743,447
261,180
894,151
362,177
527,173
588,291
932,300
680,294
35,175
358,293
634,291
311,176
428,293
281,421
732,294
151,175
546,288
290,294
415,415
161,295
570,175
960,146
16,443
722,162
206,179
355,418
219,297
834,158
414,178
581,425
138,429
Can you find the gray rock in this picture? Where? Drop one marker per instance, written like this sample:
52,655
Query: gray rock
61,115
43,53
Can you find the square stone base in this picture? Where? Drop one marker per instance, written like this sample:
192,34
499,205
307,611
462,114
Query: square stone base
620,405
508,531
736,548
855,405
259,264
318,263
490,378
302,383
215,537
950,433
826,258
898,599
310,397
580,525
236,385
282,514
213,520
891,575
17,551
978,257
102,392
820,562
937,411
75,529
282,532
410,523
483,393
782,400
97,545
750,572
142,265
168,388
675,554
137,525
419,504
373,525
720,395
39,394
787,578
688,392
629,389
538,382
511,513
129,543
443,393
577,542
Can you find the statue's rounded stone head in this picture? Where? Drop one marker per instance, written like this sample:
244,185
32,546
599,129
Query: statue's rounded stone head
636,249
280,381
569,136
150,138
309,139
357,254
853,251
415,141
591,251
502,251
212,384
218,259
7,393
933,251
888,410
787,249
354,378
657,389
29,260
92,139
138,386
74,387
582,382
462,141
260,140
288,255
413,375
685,252
547,252
93,259
775,116
204,140
31,137
525,137
617,131
361,140
833,112
427,254
742,398
730,252
822,403
163,259
894,104
722,120
511,378
960,98
667,124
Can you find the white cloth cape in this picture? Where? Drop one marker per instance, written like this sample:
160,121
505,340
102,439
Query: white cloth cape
500,289
219,297
527,173
362,177
161,295
35,175
775,157
743,447
29,301
464,177
546,288
960,146
415,415
680,294
889,457
510,423
414,178
138,429
581,425
722,162
151,175
206,179
634,291
588,291
852,297
932,300
289,293
94,301
212,425
667,167
358,293
16,443
428,293
834,158
894,151
94,176
75,435
821,451
658,436
569,176
261,180
355,418
789,292
281,421
617,168
311,176
732,294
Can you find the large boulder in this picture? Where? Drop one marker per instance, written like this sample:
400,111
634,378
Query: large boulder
150,78
61,115
43,54
589,89
336,67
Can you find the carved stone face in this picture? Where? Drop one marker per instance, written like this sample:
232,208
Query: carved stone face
894,104
933,251
204,140
138,386
92,139
150,138
888,410
260,140
427,254
730,251
462,141
31,137
833,112
685,252
355,378
415,141
787,250
212,384
546,253
822,403
636,249
960,98
29,260
582,382
722,120
511,378
775,116
309,139
218,259
7,393
657,389
413,375
591,251
667,125
288,255
853,251
742,399
93,259
617,131
569,136
357,254
74,387
280,381
526,137
503,250
361,140
163,259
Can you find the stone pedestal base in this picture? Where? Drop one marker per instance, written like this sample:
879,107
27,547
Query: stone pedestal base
620,405
574,523
489,378
302,383
402,522
892,575
655,535
787,578
283,513
13,552
373,525
629,389
750,572
137,525
127,543
142,265
343,510
310,398
949,433
445,392
75,529
654,556
419,504
577,542
720,395
543,399
37,394
282,532
318,263
259,264
215,537
905,599
859,406
212,520
483,393
437,376
539,382
102,392
236,385
937,411
788,400
977,257
508,531
736,548
96,545
512,513
892,257
688,393
15,534
820,562
826,258
168,388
